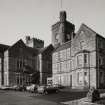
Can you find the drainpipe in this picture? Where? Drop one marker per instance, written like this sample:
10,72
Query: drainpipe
89,69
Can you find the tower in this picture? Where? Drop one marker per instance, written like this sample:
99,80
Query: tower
34,42
62,31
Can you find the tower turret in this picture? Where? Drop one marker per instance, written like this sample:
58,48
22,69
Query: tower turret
62,31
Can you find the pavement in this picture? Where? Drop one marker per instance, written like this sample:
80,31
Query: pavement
65,96
83,101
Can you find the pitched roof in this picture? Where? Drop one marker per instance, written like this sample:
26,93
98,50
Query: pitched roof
19,42
45,48
3,47
86,27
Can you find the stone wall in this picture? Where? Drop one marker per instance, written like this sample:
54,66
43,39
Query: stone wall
100,58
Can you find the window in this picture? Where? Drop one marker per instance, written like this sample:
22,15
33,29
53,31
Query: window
82,42
100,60
85,78
68,66
55,57
101,44
79,60
68,53
57,38
72,65
82,45
85,58
54,68
68,37
79,77
101,77
19,63
63,55
85,73
63,66
58,67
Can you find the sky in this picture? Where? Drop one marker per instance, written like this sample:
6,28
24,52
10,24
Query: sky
34,18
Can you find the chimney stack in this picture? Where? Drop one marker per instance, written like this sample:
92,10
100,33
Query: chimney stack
63,16
27,39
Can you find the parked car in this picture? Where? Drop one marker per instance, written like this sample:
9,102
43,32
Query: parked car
47,89
20,88
5,88
10,87
32,88
14,87
58,86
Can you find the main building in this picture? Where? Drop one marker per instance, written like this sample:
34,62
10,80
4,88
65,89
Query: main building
78,58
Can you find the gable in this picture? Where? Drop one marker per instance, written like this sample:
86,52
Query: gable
47,50
19,43
84,40
17,48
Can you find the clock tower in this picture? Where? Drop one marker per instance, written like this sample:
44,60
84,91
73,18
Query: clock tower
62,31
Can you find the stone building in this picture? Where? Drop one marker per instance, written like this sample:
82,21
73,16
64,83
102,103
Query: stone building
78,62
20,64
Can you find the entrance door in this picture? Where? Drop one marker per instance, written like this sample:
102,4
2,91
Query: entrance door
70,80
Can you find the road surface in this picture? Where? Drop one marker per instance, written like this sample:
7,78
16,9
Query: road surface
22,98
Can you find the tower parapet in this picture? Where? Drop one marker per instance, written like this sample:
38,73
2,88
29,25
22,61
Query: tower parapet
34,42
